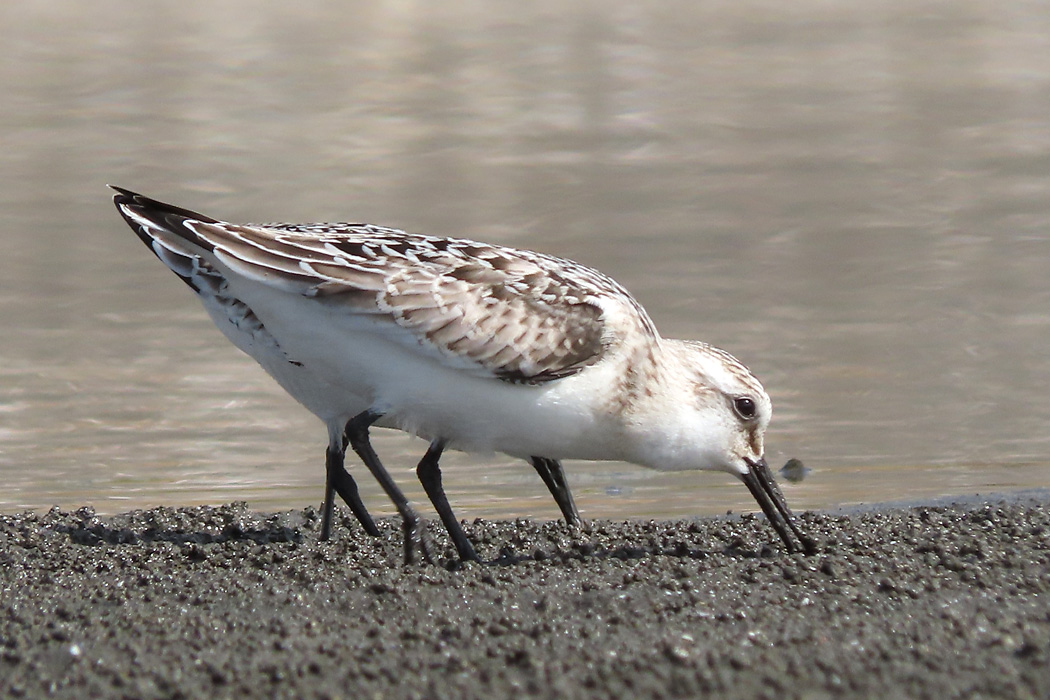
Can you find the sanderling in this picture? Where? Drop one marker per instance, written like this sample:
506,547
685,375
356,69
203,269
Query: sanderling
473,346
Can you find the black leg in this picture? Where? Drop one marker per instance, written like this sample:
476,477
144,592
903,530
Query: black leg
339,481
552,474
429,474
329,497
357,434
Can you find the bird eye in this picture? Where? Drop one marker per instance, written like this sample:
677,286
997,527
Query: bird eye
745,407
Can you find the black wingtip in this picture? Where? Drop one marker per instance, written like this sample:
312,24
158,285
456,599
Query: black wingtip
134,207
126,197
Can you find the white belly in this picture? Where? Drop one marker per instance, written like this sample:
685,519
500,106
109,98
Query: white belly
339,364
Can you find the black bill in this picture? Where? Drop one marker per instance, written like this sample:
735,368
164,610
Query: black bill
759,481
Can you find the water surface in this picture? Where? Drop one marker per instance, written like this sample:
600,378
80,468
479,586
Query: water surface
854,200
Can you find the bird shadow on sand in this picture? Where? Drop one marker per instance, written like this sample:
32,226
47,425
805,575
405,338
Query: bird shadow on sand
586,551
200,525
204,525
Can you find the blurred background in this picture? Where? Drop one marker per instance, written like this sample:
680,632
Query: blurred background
853,198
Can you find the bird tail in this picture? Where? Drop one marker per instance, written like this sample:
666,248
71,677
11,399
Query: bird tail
162,228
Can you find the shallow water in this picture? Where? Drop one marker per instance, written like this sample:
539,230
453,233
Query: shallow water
853,200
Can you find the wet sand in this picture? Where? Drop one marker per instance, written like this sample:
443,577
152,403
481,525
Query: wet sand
946,601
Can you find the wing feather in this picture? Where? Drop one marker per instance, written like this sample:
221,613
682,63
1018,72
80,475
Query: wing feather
513,314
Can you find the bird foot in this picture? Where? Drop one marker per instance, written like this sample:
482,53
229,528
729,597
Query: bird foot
416,540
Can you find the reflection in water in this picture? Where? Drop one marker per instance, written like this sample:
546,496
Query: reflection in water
854,202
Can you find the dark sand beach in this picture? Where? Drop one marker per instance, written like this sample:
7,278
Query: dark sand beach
946,601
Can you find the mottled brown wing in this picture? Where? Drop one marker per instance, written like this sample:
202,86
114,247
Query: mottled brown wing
519,316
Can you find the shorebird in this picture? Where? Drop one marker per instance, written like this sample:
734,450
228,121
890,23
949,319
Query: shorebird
472,346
